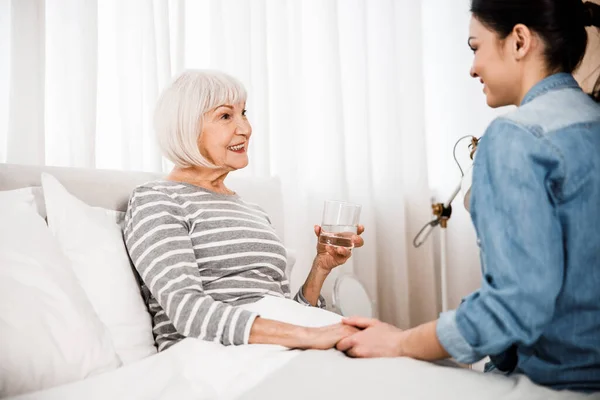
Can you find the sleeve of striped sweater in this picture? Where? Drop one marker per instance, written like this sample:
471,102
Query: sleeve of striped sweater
299,298
158,240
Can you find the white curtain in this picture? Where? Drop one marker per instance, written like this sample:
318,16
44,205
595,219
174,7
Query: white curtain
350,99
455,106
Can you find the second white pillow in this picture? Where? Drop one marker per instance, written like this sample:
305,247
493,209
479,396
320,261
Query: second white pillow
50,335
92,240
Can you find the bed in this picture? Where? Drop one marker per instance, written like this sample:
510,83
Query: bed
194,369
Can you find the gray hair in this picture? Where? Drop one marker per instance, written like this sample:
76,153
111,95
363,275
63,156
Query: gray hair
179,112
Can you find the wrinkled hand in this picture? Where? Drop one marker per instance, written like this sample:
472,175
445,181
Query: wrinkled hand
376,339
326,337
328,257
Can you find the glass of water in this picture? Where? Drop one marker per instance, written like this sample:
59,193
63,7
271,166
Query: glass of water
340,223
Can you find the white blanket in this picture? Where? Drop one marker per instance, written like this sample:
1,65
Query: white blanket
328,375
194,369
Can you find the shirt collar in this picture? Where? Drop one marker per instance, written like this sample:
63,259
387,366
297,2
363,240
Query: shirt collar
553,82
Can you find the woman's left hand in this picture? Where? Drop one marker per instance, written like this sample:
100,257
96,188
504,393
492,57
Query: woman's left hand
375,339
328,257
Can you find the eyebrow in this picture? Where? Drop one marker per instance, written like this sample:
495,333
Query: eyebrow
224,105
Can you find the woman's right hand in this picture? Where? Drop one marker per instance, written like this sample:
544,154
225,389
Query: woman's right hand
326,337
328,257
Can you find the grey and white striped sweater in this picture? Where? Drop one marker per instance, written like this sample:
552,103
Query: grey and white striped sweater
201,254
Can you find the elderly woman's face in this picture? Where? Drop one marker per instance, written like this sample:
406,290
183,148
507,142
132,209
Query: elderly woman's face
225,136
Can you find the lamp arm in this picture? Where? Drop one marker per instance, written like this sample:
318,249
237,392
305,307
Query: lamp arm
443,211
453,195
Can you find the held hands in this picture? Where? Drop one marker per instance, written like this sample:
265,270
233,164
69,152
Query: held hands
328,257
326,337
357,337
375,339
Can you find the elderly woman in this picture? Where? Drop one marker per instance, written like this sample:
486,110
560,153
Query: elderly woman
200,249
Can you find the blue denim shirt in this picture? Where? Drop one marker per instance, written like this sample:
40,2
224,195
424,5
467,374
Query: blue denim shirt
535,204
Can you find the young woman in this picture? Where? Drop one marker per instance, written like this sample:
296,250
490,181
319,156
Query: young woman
535,204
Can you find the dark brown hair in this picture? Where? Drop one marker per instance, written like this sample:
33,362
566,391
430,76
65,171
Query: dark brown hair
560,23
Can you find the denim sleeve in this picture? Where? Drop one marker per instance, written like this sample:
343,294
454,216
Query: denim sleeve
517,223
453,341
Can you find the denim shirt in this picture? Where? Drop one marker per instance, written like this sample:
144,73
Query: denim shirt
535,204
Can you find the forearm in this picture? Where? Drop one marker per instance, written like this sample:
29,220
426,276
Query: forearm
311,289
422,343
267,331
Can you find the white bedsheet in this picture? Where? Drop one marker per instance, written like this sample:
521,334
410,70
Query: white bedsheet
194,369
327,375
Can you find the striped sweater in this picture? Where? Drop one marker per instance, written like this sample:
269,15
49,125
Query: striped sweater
201,254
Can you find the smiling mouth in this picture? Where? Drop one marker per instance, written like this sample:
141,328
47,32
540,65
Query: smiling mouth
238,148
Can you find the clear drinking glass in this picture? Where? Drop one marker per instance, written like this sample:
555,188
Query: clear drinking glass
340,223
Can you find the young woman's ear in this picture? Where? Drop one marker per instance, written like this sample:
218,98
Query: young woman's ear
523,41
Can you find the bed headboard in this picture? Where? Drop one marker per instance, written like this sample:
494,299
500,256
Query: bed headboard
111,189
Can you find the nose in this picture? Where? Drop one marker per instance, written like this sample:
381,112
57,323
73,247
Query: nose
244,128
473,73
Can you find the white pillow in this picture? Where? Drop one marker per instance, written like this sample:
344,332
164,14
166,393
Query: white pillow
92,240
31,196
50,334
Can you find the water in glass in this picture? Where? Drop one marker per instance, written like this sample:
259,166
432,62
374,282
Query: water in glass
338,235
